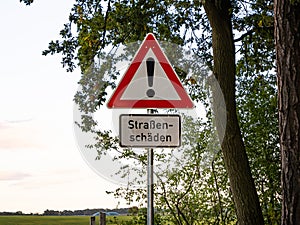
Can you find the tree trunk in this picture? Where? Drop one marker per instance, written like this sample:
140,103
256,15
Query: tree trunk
287,37
242,185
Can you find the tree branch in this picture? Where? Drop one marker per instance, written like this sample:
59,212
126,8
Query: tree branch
249,32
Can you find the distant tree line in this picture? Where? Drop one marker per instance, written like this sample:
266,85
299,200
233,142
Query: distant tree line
84,212
11,213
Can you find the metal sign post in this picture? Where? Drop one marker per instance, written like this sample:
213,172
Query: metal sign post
150,183
150,188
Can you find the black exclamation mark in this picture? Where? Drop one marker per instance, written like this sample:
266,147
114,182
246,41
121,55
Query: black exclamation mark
150,74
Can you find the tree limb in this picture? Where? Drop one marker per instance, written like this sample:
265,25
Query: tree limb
249,32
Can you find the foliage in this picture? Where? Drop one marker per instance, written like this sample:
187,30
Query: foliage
141,218
257,101
196,189
97,29
27,2
257,108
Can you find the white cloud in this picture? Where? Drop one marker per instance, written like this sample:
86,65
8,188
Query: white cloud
19,135
12,175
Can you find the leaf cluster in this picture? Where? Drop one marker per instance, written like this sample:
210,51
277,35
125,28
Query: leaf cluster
96,29
27,2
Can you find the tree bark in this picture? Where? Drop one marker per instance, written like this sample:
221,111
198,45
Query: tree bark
287,37
241,182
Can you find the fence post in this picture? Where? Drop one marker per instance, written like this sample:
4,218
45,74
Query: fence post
102,218
92,220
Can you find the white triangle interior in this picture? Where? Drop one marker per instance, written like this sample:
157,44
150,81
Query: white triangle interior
162,85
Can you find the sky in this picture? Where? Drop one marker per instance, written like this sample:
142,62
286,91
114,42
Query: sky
41,166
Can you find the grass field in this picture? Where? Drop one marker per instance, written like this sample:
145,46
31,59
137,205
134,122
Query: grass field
58,220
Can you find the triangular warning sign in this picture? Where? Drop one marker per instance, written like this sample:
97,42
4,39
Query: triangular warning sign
150,81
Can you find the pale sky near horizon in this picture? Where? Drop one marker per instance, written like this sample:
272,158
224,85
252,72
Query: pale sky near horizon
40,165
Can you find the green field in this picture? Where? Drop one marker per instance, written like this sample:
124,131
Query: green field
58,220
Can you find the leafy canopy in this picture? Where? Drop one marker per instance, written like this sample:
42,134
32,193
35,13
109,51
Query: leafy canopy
96,28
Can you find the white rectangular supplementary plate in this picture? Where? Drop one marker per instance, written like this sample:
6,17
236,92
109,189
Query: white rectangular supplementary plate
150,130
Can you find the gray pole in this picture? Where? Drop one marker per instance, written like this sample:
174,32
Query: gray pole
150,208
150,184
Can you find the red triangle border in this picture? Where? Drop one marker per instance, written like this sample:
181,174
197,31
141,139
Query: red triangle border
150,42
